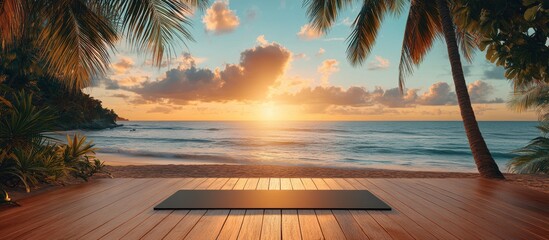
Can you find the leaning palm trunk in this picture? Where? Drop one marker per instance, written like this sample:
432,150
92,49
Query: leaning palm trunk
486,165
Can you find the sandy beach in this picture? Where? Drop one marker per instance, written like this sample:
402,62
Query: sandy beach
120,166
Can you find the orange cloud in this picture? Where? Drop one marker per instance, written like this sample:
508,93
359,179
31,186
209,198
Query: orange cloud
324,97
327,68
123,65
220,19
307,32
251,79
439,94
479,90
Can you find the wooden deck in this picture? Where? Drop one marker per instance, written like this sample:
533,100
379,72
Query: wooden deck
422,209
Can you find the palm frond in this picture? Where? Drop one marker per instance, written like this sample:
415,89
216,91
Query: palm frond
534,97
5,102
323,13
200,4
11,15
366,26
156,25
533,158
467,42
76,41
422,29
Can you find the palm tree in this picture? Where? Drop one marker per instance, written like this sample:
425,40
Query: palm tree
72,39
427,20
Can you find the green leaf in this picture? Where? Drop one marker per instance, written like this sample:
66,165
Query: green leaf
530,13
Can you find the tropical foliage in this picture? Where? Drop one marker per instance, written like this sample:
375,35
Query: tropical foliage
514,35
71,40
73,109
29,157
534,157
427,21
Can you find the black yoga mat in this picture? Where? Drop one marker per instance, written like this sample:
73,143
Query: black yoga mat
272,199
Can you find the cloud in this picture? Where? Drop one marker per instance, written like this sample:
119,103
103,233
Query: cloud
219,19
346,110
307,32
325,96
258,70
393,98
261,40
494,72
162,109
378,63
334,39
110,84
320,52
300,56
438,94
479,90
120,95
123,65
327,68
346,21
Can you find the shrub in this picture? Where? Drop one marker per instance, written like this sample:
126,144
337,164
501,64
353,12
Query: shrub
28,157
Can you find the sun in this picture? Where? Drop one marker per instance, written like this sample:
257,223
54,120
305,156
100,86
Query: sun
269,112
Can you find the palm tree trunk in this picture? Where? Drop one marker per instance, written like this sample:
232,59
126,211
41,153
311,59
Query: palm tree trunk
486,165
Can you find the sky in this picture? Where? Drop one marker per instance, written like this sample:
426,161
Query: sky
260,60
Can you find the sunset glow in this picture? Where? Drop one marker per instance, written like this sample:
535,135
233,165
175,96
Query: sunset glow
245,66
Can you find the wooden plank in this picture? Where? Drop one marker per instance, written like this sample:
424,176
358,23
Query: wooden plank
179,221
69,194
401,222
251,184
401,215
308,222
241,183
297,184
326,219
233,223
290,219
457,190
166,188
263,184
209,226
290,225
230,184
477,215
142,224
515,195
251,225
532,221
30,218
194,217
34,228
329,225
347,222
446,219
272,223
272,218
274,184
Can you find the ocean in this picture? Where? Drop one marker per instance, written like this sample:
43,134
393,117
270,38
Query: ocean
439,146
